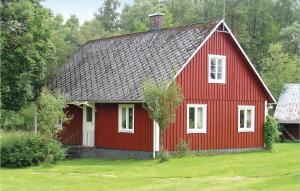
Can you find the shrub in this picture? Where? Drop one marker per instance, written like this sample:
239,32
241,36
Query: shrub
271,132
27,149
21,120
183,148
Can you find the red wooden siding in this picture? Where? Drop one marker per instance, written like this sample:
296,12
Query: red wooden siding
72,133
107,135
242,87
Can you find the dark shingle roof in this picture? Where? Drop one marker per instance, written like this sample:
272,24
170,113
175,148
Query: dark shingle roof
113,69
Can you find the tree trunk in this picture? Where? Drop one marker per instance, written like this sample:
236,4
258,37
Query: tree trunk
161,141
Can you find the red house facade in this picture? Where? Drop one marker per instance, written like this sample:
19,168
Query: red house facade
224,103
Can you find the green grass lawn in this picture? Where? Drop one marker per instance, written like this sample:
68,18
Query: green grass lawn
278,170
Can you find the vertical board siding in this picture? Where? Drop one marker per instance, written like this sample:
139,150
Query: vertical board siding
106,129
242,88
72,132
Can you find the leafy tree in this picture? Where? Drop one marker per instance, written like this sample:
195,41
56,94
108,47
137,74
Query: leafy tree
108,15
279,67
134,18
50,112
290,37
26,50
161,101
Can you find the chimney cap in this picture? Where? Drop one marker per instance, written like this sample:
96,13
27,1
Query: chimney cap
156,14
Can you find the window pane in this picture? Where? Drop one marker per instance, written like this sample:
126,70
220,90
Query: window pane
199,118
213,68
219,76
212,75
242,118
123,117
191,117
89,114
249,118
130,117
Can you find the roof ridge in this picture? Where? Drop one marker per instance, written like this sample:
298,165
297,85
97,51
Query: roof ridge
214,21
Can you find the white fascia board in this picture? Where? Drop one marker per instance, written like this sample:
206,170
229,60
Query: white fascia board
249,61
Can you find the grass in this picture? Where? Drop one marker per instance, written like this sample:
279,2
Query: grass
277,170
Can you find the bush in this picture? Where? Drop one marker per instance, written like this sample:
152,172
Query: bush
21,120
27,149
183,148
271,132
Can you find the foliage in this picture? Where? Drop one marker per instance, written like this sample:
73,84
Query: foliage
161,101
271,132
183,148
279,67
21,120
27,149
50,111
26,50
108,15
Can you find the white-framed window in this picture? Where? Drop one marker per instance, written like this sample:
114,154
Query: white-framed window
246,117
216,68
196,118
126,118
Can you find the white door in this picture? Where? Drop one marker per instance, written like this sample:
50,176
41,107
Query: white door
88,133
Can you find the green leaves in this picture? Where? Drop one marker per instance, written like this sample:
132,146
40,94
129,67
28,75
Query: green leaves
279,67
50,111
271,132
161,101
26,28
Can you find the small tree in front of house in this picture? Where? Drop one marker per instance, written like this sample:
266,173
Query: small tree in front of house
161,100
51,114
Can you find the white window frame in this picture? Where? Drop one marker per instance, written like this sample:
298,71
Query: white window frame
220,81
127,130
245,129
204,107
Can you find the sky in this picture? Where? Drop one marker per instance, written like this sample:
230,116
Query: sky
83,9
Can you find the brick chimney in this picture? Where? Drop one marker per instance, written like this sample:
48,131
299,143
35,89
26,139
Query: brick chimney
156,21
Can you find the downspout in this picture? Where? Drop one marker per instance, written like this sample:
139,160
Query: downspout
155,139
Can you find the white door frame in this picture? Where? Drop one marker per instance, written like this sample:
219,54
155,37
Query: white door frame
88,134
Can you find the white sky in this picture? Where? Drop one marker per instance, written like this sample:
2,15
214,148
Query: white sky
83,9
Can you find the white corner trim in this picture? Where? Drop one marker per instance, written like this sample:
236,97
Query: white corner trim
120,129
249,61
231,34
245,129
216,81
204,130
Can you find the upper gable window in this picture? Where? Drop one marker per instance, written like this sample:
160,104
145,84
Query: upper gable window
216,68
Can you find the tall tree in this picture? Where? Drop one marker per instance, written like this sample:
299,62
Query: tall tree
108,15
26,50
279,67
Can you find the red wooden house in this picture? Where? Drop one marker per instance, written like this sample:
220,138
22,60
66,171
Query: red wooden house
225,98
